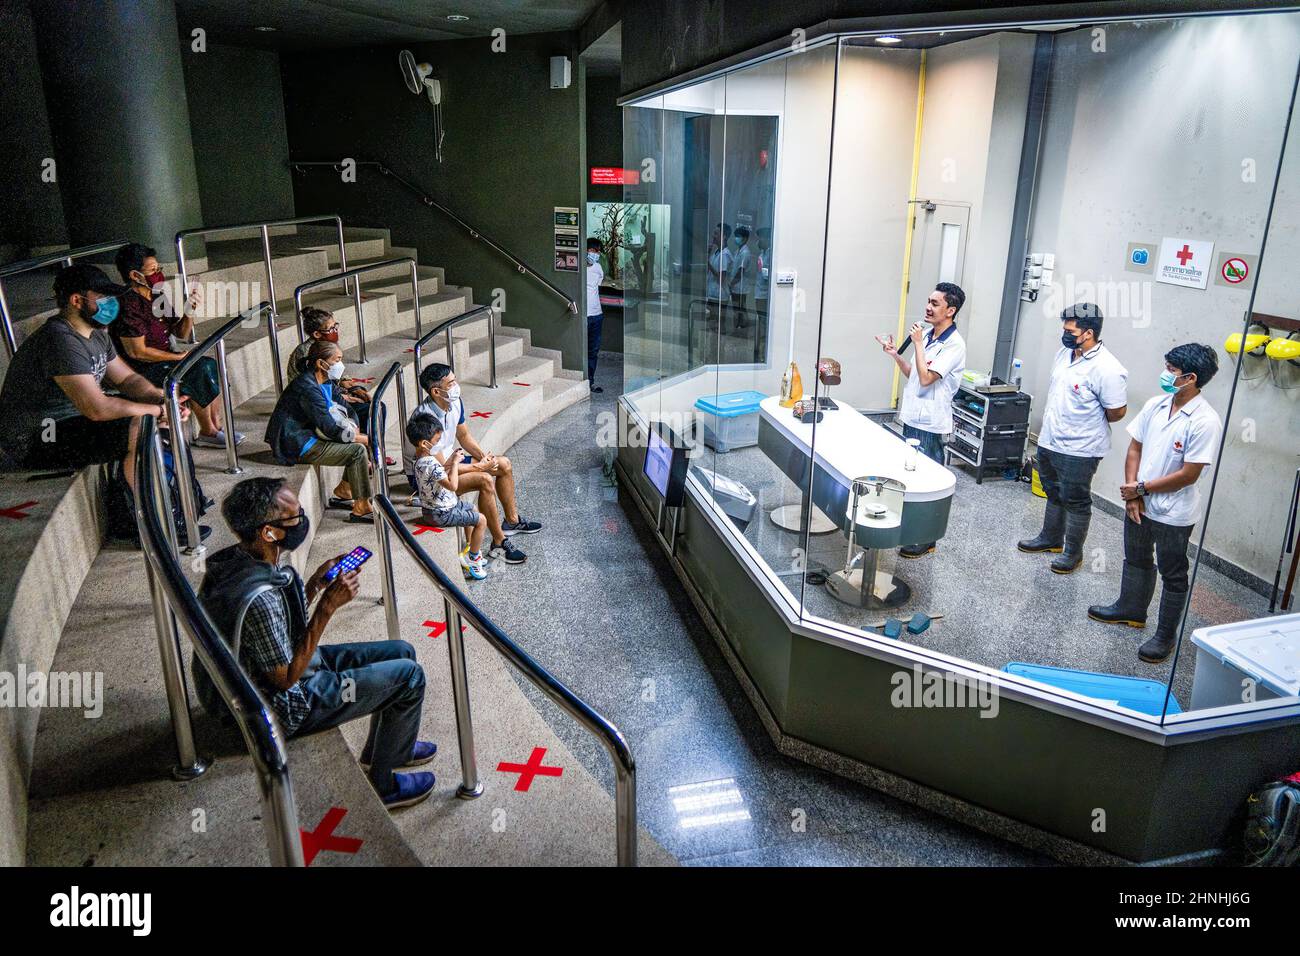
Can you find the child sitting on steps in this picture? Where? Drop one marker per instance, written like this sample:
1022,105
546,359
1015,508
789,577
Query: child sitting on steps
436,483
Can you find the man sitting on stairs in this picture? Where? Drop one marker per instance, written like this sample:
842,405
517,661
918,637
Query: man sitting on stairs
311,425
492,476
260,605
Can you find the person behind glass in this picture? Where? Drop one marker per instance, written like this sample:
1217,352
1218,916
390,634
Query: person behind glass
595,314
1088,391
1173,439
741,283
932,380
56,411
311,424
143,332
762,272
320,325
261,607
719,269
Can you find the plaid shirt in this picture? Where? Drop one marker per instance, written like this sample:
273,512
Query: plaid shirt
265,644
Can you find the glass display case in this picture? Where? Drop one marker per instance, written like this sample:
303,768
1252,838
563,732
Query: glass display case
810,203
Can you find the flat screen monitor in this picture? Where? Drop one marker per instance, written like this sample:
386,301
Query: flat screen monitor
665,464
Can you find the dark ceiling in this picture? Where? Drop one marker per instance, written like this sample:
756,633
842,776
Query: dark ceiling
309,24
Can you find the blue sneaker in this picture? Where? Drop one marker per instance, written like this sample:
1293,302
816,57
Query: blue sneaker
474,564
522,526
411,789
422,753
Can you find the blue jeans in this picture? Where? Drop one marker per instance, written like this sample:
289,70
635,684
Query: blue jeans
1067,480
594,325
931,447
386,684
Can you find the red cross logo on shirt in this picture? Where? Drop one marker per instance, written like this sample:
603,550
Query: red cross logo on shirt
1184,255
1178,446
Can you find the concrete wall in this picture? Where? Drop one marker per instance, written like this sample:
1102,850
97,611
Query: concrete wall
241,144
1148,140
31,210
510,156
604,135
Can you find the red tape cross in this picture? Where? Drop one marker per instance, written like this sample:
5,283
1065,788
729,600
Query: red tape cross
480,415
16,512
527,771
323,838
422,528
439,628
524,384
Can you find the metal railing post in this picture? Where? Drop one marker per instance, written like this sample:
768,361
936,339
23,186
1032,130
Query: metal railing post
181,459
343,254
492,349
625,814
274,314
470,785
228,412
273,333
419,330
280,820
188,763
11,344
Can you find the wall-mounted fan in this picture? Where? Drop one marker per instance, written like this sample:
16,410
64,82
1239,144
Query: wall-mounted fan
419,78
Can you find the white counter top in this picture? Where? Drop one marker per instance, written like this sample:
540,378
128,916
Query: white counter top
850,446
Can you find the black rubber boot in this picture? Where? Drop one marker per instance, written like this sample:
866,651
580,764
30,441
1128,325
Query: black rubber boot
1161,644
1135,591
1076,532
1052,535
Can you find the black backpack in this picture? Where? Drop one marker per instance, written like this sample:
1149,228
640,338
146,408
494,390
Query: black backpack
1273,824
120,503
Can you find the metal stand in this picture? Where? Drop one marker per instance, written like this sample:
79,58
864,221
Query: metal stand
863,583
792,518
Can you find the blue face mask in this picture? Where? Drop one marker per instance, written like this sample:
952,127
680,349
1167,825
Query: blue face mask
1167,380
593,258
106,311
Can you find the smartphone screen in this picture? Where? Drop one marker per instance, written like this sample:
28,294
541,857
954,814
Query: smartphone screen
351,561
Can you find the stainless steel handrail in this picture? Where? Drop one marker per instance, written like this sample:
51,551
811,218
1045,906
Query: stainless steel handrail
265,227
171,394
174,600
446,326
40,262
354,274
456,605
426,199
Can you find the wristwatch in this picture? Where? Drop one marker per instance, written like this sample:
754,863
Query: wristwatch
1142,489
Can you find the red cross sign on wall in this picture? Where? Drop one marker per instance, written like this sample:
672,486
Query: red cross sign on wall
1184,255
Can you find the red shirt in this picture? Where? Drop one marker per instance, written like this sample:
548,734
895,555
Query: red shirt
136,320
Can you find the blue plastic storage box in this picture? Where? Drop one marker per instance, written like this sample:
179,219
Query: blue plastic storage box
1136,693
731,420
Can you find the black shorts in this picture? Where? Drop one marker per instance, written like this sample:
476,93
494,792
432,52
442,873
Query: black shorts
78,442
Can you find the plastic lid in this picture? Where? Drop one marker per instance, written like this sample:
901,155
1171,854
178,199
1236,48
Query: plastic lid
731,404
1267,649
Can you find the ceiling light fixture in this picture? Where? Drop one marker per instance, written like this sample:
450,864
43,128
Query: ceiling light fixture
889,39
265,29
457,17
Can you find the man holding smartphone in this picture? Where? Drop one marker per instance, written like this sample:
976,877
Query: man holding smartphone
257,598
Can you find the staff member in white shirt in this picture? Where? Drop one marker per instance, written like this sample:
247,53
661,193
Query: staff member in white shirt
1175,436
926,407
595,314
1088,390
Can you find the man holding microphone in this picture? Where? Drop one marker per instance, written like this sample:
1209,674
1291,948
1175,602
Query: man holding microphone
1088,390
932,380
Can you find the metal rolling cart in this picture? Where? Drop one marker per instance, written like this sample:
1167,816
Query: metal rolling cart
990,425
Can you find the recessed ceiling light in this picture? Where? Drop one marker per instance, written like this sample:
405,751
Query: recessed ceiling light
265,29
457,17
890,39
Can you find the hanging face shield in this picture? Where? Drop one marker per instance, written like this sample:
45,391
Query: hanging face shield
1283,358
1248,351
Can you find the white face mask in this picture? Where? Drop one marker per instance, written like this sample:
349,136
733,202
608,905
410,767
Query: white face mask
335,371
592,258
453,393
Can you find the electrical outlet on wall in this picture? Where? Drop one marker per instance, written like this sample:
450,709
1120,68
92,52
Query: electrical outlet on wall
785,277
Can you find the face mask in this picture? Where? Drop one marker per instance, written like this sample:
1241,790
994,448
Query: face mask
335,372
331,336
294,536
1167,380
155,279
105,311
453,393
592,258
1069,340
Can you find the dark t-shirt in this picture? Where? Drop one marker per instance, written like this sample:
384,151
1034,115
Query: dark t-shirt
30,395
137,320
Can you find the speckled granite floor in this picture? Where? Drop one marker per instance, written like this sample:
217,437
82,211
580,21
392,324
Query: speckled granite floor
598,605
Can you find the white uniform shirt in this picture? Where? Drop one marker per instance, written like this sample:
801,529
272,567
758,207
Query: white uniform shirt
1192,435
720,260
762,272
1074,418
929,407
742,280
595,276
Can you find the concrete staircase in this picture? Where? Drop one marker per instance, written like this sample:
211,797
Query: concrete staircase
81,790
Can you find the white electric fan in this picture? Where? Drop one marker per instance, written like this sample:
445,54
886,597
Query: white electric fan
419,77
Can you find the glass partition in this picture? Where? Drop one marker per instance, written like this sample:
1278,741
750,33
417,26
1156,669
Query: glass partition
904,220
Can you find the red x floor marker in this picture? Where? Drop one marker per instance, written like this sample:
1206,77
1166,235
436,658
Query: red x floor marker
422,528
16,512
439,628
524,384
323,838
527,771
481,415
